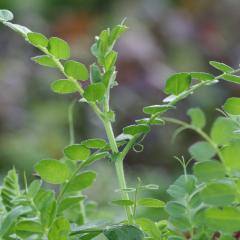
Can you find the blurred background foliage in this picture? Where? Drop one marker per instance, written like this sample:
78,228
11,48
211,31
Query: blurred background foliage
164,36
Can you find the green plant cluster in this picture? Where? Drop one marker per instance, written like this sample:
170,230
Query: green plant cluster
204,203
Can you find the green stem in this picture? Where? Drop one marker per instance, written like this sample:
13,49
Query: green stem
71,122
199,131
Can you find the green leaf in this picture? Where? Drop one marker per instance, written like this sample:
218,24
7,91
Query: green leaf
37,39
95,73
59,48
202,76
64,86
218,194
95,143
52,171
221,66
81,181
95,157
136,129
94,92
116,32
77,152
155,121
59,230
11,218
175,209
226,220
6,15
150,203
178,83
232,106
69,201
10,189
231,155
156,109
150,228
231,78
123,202
44,60
18,28
209,170
182,187
76,70
223,130
29,226
123,232
110,60
202,151
197,116
34,188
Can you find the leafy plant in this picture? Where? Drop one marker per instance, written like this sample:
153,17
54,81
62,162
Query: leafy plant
204,203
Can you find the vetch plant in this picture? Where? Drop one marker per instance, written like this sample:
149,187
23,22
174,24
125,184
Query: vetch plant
204,203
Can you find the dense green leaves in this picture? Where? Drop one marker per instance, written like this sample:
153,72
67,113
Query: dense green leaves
221,66
202,151
52,171
209,170
178,83
64,86
76,70
6,15
232,106
197,116
77,152
45,60
126,232
218,194
156,109
94,92
175,209
59,48
37,39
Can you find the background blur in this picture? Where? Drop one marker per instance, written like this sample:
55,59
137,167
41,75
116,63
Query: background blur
164,36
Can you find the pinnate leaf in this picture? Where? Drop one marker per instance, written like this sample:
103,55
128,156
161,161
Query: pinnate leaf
77,152
221,66
197,116
37,39
136,129
178,83
52,171
156,109
64,86
81,181
232,106
44,60
94,92
59,48
76,70
202,151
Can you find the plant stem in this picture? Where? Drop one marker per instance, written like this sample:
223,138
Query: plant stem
199,131
119,167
